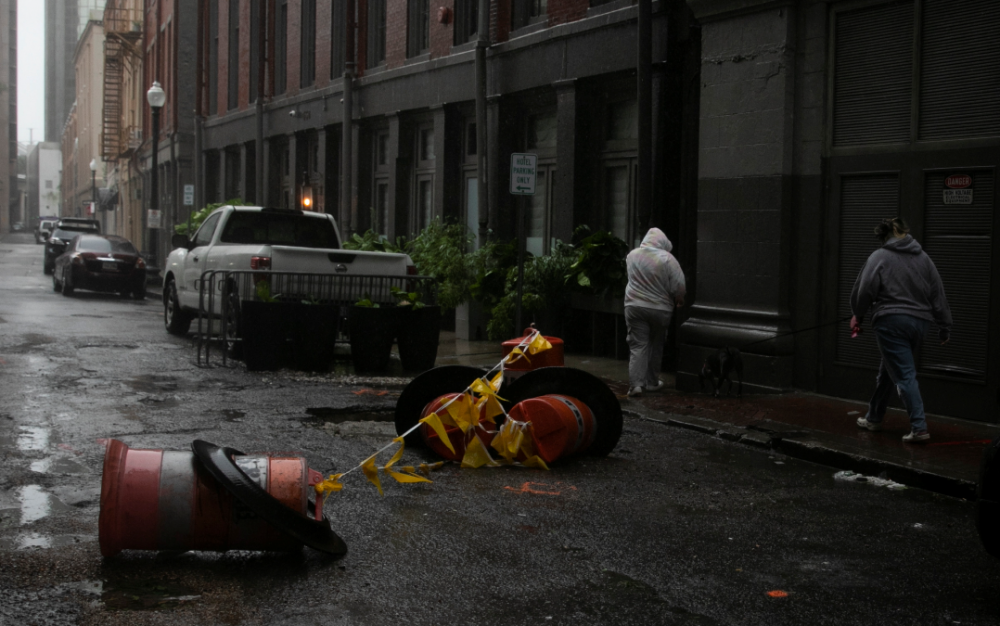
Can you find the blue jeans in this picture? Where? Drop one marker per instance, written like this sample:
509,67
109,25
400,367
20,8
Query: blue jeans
899,338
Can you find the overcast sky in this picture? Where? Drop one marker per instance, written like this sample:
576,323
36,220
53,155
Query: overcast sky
30,69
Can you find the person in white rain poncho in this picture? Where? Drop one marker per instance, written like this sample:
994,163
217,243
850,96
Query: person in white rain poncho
655,286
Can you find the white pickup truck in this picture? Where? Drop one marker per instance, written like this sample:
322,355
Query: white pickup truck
238,238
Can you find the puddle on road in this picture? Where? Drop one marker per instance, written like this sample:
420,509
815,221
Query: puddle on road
329,415
57,466
146,596
37,540
36,503
33,439
232,415
152,384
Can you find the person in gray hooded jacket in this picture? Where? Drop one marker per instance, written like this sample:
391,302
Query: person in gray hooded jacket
901,286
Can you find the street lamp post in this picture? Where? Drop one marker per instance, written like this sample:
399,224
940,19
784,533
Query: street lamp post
93,182
156,98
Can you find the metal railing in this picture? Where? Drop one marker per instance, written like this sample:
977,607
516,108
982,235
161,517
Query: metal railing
222,292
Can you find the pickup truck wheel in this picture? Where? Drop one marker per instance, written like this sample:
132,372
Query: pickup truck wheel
175,319
234,343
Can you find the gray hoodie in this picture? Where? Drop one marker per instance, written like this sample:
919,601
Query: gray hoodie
899,277
655,278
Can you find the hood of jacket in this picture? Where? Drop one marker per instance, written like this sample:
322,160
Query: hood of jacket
906,245
656,239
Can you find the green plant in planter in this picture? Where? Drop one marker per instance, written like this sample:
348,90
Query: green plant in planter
491,264
370,241
263,290
367,302
407,298
191,225
441,250
545,290
599,268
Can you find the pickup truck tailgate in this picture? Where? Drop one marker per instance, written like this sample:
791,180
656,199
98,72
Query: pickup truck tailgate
327,261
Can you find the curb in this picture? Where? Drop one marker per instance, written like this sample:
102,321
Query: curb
807,447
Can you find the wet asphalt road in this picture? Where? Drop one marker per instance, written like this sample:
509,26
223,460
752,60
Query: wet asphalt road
673,528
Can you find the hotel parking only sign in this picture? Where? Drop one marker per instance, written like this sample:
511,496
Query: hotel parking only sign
522,174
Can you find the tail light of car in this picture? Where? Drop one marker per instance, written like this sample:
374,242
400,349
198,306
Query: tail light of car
411,270
260,262
77,260
140,263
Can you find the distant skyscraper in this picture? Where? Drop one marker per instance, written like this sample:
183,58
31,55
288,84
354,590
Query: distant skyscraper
64,22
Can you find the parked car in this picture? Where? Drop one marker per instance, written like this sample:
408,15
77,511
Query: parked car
44,230
100,263
65,230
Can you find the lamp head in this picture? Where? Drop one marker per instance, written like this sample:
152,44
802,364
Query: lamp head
156,96
93,164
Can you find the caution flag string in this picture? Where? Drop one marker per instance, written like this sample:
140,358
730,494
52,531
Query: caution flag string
466,410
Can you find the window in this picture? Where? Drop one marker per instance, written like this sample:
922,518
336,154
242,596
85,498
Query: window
619,169
307,42
526,12
281,47
418,31
376,33
255,47
422,178
425,201
466,20
338,41
541,140
204,235
426,144
213,57
234,53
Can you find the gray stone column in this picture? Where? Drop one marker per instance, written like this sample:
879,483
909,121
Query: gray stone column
745,205
565,179
440,132
397,225
267,185
495,173
220,179
241,184
320,188
294,175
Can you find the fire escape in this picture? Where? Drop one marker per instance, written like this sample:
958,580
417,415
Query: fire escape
122,49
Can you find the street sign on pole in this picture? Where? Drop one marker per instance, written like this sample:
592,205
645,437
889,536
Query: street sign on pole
188,195
522,174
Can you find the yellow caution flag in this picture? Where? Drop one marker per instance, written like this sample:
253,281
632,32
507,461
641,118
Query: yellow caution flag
519,354
434,422
330,485
539,344
462,410
476,455
371,473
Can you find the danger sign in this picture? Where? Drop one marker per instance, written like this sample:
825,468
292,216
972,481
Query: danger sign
958,181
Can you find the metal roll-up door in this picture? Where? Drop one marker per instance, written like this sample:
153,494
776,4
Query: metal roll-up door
873,74
865,200
958,238
960,69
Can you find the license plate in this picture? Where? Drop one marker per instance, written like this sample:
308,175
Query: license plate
109,266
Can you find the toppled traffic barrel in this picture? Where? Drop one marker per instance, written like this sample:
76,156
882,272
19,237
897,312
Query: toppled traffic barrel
458,439
988,499
212,498
570,412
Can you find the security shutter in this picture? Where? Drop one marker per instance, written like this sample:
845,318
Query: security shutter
865,200
873,74
958,239
960,69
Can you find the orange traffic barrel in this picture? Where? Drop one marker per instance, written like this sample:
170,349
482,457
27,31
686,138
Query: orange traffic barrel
572,411
560,426
518,365
174,500
425,389
459,440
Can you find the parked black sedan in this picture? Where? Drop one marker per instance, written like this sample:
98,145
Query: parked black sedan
100,263
64,232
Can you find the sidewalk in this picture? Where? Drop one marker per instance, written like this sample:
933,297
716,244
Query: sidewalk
799,424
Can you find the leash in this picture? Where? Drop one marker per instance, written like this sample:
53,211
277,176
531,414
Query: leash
795,332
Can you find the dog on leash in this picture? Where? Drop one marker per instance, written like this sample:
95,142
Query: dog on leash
719,366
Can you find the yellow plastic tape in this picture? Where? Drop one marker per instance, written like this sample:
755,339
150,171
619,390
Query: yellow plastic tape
539,344
330,485
476,455
371,473
462,411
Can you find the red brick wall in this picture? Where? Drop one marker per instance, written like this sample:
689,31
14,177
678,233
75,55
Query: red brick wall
499,20
442,35
245,38
223,77
395,33
563,11
362,39
293,70
324,17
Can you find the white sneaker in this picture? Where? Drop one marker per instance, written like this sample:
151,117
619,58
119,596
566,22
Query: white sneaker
635,391
864,423
657,387
916,437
